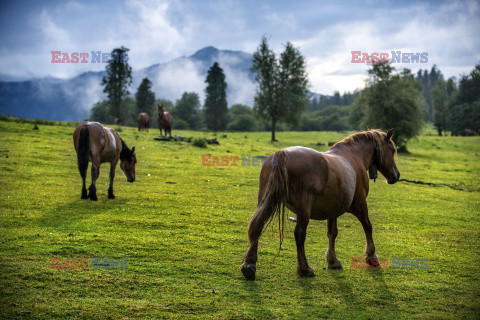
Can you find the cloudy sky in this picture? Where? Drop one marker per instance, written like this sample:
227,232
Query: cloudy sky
159,31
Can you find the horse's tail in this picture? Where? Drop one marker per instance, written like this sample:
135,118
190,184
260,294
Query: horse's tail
274,198
83,152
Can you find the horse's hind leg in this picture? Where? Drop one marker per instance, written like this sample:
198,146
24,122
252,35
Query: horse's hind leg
112,176
332,261
303,218
255,229
83,174
92,190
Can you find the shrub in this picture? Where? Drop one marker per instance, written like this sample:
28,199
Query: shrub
200,142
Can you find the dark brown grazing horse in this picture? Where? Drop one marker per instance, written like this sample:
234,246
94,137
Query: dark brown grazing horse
143,121
470,132
118,122
98,144
321,186
164,121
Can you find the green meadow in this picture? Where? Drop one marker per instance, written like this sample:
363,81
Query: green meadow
182,228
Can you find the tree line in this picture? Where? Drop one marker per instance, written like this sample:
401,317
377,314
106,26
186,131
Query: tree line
282,101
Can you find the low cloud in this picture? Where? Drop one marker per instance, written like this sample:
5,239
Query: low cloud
452,47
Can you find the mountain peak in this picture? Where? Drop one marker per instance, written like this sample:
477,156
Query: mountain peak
205,53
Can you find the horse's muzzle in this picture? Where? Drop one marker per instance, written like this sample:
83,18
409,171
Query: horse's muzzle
394,178
131,180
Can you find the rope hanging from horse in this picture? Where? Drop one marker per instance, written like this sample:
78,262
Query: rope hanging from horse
454,186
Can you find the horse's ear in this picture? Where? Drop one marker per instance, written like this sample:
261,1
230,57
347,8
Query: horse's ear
389,134
368,128
133,149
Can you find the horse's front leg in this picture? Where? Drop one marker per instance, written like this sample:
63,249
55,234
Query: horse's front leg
332,261
92,190
361,212
303,218
113,165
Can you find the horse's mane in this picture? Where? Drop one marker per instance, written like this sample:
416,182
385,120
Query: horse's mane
125,153
373,135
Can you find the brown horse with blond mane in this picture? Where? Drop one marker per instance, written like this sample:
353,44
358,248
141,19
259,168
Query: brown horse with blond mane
98,144
319,186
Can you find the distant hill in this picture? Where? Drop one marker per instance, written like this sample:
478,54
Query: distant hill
72,99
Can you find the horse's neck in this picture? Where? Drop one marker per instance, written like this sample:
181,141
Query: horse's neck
362,152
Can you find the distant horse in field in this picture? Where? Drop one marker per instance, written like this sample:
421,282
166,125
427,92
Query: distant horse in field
321,186
98,144
164,121
118,122
143,121
470,132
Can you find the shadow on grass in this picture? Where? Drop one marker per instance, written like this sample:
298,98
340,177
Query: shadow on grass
73,212
370,301
256,307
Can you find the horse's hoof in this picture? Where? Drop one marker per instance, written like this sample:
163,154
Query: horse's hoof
248,271
338,267
111,196
373,263
93,197
306,273
84,196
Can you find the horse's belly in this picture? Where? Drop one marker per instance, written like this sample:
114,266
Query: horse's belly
107,155
324,208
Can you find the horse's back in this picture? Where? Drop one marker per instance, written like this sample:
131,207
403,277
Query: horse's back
143,117
306,168
94,129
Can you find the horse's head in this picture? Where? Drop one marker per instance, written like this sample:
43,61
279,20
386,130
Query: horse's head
127,162
384,159
160,111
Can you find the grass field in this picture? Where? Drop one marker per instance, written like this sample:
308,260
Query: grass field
182,228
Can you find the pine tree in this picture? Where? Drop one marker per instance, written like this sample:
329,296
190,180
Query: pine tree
216,109
117,80
145,97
